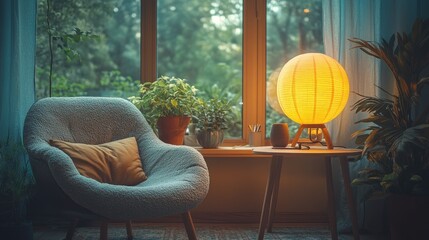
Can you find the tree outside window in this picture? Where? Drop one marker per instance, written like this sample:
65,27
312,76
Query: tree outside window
293,28
88,48
92,48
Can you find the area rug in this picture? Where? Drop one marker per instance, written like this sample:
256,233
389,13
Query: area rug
204,232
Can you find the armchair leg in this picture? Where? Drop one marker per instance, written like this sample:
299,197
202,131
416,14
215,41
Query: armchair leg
70,231
129,230
103,231
189,225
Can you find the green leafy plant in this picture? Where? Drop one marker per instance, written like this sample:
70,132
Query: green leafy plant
16,180
212,114
167,96
227,94
397,136
15,176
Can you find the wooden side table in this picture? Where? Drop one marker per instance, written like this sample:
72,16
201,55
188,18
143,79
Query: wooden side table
272,189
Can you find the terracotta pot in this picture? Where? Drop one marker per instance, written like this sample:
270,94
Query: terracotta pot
279,135
408,217
171,129
210,139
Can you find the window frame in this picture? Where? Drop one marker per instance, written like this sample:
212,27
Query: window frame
254,61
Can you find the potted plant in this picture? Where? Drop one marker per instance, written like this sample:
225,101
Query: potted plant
210,119
167,104
16,183
397,137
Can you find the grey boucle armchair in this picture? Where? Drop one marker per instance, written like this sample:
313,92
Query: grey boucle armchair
178,178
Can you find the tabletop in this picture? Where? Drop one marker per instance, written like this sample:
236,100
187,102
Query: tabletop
313,151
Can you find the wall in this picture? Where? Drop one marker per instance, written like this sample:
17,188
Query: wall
237,190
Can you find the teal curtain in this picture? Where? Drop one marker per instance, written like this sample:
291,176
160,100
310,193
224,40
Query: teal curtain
345,19
17,56
369,20
398,16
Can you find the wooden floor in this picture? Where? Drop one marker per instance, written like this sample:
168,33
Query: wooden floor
176,231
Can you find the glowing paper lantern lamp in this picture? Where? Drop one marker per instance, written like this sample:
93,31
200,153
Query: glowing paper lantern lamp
312,89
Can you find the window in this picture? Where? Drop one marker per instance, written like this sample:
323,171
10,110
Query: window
201,41
226,48
88,48
293,28
273,31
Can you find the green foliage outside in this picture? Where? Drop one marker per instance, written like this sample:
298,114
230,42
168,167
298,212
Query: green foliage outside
95,49
201,41
94,46
293,28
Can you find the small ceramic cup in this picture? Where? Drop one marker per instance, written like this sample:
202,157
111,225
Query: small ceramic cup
255,139
279,135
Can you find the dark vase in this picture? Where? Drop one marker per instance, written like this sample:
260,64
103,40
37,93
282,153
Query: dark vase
279,135
209,138
171,129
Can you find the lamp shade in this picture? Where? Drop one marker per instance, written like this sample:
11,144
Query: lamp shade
312,88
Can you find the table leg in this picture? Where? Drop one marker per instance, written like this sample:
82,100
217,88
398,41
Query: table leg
273,204
331,199
351,202
268,196
103,230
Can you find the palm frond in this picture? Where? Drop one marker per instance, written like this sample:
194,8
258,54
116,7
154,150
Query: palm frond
360,139
390,134
412,137
372,140
364,131
370,172
370,48
421,83
379,120
399,139
386,92
374,105
377,154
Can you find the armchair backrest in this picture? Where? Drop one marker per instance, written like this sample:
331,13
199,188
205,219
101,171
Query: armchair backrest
172,170
89,120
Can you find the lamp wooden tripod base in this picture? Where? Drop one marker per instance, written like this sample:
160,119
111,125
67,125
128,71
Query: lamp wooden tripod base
321,126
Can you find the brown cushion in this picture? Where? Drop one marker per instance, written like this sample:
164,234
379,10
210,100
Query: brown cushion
116,162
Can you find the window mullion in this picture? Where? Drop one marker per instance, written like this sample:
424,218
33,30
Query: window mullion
148,41
254,65
249,66
261,64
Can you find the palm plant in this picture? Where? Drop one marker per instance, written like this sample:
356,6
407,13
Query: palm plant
398,138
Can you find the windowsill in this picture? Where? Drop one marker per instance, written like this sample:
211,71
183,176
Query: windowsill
244,151
233,151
